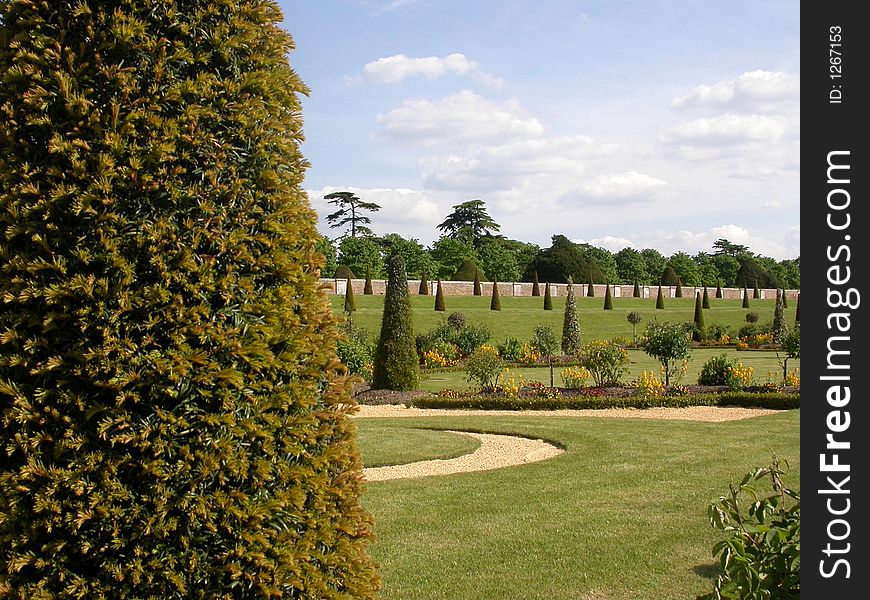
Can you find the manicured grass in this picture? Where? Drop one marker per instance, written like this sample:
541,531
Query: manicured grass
763,363
382,445
520,315
620,515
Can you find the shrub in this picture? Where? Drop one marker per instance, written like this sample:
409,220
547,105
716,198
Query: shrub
797,310
548,300
395,364
343,272
174,417
608,299
536,289
745,298
706,299
574,377
739,377
719,290
590,290
457,320
440,305
349,300
751,317
679,291
660,299
423,290
634,318
544,341
719,332
571,339
477,290
761,554
648,385
607,362
484,367
468,271
669,277
356,352
471,337
495,302
716,370
367,289
636,292
779,329
511,349
698,329
668,343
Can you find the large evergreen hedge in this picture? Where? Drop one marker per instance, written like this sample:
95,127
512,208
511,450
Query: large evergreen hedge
173,417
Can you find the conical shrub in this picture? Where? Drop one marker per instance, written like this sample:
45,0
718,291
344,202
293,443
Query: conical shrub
756,293
705,302
548,300
395,363
440,306
699,329
174,418
571,340
536,290
797,309
349,300
495,302
784,299
590,290
367,288
636,292
608,300
780,327
745,297
660,299
424,285
478,291
679,292
719,290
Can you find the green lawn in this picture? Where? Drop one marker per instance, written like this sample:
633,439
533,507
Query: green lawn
520,315
383,445
621,515
765,364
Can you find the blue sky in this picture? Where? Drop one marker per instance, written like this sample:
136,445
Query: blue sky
661,125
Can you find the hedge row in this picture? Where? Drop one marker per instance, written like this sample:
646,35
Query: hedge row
770,400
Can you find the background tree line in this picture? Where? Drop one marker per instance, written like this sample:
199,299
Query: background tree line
470,241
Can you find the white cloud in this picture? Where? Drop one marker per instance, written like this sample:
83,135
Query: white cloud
464,117
728,129
621,185
750,92
396,68
404,211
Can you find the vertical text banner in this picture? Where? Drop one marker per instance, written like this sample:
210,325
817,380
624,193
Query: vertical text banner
835,223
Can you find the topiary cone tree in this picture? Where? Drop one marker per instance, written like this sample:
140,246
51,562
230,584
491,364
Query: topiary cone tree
349,301
536,290
367,289
779,330
745,297
174,418
719,290
395,362
478,291
797,309
679,292
784,299
756,293
699,329
548,300
495,302
660,299
636,292
571,339
705,301
590,290
439,298
424,285
608,299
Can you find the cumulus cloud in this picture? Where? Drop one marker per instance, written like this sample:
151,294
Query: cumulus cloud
464,117
621,185
729,128
403,210
752,91
396,68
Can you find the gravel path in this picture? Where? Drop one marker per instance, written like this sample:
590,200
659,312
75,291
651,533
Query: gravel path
499,451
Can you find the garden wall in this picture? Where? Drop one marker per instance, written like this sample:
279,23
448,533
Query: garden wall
466,288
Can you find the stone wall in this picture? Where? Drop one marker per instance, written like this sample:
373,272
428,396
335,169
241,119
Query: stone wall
466,288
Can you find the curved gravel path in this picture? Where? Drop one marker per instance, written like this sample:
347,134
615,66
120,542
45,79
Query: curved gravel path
495,452
499,451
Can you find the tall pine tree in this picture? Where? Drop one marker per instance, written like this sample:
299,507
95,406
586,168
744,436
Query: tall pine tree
174,420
